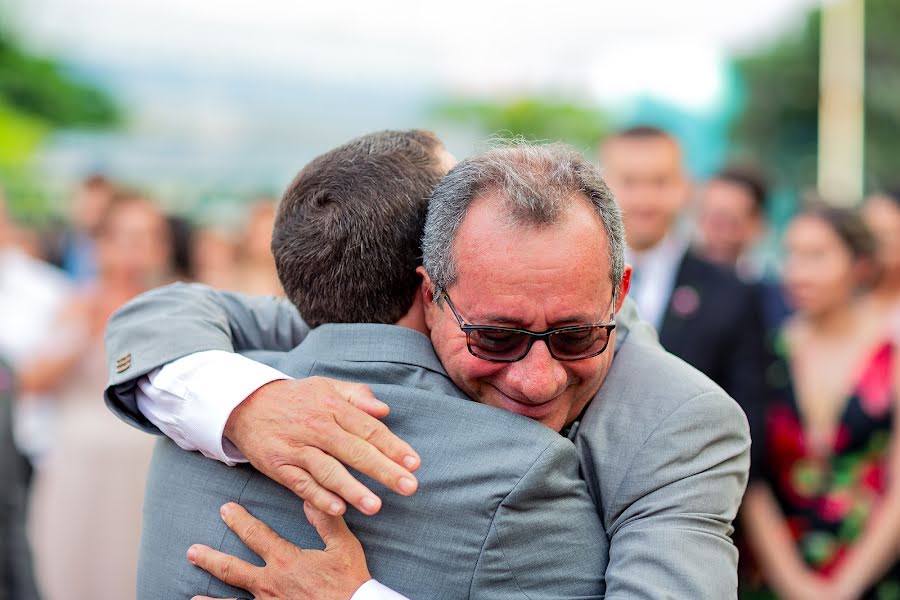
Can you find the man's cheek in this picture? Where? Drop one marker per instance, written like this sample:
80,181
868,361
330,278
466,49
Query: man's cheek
477,368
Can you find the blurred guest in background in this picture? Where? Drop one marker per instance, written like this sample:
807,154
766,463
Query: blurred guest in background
77,255
32,295
255,273
88,496
213,258
733,233
16,577
822,511
703,313
882,214
732,223
182,236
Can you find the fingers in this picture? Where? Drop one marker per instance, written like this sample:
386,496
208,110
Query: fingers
225,567
333,530
374,432
361,397
253,532
331,475
377,433
304,485
350,446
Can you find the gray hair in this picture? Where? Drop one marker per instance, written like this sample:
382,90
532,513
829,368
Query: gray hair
537,182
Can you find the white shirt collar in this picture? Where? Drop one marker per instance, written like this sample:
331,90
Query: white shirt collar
655,271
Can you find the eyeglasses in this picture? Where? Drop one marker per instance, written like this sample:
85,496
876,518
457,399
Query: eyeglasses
509,344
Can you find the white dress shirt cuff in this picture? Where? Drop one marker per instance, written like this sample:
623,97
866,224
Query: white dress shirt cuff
190,399
372,590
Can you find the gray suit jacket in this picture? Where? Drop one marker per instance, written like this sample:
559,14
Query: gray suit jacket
514,523
665,451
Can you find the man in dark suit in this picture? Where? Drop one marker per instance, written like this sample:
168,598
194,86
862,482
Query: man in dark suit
731,223
704,313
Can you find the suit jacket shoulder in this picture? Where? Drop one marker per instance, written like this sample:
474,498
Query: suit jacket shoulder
644,387
666,453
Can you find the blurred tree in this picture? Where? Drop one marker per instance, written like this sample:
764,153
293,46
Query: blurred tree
40,88
37,97
778,125
882,145
530,118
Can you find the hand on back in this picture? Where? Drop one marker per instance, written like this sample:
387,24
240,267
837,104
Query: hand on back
301,433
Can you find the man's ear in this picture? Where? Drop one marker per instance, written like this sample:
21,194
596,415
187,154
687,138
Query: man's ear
426,292
624,286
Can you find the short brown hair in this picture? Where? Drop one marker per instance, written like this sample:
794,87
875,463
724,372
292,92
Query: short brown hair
347,235
748,178
847,224
642,131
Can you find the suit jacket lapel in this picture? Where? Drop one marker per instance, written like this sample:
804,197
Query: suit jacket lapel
683,303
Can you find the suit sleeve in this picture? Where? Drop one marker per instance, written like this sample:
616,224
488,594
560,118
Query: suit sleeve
546,540
181,319
670,534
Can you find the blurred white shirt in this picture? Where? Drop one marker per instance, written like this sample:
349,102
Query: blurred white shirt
653,280
32,294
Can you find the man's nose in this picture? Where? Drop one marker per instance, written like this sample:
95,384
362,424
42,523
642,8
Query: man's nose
538,377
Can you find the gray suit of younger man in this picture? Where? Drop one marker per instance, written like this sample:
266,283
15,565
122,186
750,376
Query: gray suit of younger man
501,511
665,451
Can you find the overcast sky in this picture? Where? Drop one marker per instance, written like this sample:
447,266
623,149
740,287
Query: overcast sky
606,50
233,93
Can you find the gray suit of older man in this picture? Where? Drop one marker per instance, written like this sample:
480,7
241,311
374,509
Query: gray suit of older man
665,451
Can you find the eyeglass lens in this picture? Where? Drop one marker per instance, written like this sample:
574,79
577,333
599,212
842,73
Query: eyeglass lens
569,344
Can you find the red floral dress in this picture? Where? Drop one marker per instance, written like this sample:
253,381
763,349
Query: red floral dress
828,497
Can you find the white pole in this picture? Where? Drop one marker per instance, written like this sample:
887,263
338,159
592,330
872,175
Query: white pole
841,108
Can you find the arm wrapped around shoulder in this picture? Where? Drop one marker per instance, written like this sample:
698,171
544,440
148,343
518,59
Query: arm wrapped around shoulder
171,322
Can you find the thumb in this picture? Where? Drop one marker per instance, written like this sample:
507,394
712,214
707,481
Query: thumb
361,396
332,529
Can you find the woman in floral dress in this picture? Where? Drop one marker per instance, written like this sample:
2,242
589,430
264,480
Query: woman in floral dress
822,510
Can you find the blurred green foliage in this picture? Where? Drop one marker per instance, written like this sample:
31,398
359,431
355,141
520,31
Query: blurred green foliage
20,134
779,121
530,118
40,88
882,93
37,97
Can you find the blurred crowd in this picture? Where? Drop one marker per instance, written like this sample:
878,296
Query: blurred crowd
65,455
800,325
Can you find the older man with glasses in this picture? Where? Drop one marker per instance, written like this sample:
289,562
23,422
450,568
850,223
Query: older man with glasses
529,243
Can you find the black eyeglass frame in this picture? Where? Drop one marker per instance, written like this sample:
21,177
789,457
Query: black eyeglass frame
532,335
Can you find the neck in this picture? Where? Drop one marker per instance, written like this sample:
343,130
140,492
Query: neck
644,249
835,322
724,259
415,318
888,288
